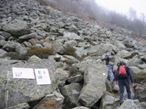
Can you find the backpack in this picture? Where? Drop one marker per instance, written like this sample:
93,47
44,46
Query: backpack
122,73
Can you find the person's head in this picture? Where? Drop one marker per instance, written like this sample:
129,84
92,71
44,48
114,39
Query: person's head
121,63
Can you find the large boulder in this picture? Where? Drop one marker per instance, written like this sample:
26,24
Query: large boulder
143,105
135,70
16,28
95,76
5,35
71,93
130,104
119,44
51,101
14,47
140,92
109,101
126,54
15,91
102,48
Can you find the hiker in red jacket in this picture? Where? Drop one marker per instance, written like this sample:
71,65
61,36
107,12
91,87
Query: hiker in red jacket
122,77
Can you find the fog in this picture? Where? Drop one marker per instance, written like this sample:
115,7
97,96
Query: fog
123,6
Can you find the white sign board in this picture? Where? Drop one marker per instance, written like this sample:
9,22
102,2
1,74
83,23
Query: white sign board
26,73
42,76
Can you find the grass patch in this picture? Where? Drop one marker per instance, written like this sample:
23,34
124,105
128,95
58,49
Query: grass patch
32,50
39,51
69,50
12,55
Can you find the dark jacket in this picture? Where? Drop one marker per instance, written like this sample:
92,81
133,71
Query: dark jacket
106,59
129,73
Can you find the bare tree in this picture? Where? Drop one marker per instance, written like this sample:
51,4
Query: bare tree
142,17
132,13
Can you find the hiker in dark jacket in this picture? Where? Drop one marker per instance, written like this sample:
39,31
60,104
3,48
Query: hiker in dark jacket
109,66
124,81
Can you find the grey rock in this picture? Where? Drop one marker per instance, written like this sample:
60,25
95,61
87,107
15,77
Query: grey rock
58,47
16,28
140,92
135,70
75,78
16,91
61,76
33,58
126,54
21,50
130,104
80,107
2,52
11,46
47,45
28,36
72,36
2,43
5,34
109,102
143,105
94,81
71,93
51,101
81,52
2,37
19,106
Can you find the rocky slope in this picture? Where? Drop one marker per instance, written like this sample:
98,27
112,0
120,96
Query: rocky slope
36,36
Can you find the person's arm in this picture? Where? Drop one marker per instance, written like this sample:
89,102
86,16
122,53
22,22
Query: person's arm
131,77
116,77
105,58
102,59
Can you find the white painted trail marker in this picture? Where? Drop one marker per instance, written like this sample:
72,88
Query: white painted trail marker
42,76
26,73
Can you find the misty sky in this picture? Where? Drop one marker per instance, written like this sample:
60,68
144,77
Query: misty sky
122,6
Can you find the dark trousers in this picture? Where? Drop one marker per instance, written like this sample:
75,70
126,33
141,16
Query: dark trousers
122,83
